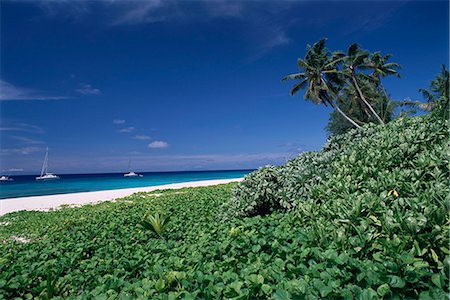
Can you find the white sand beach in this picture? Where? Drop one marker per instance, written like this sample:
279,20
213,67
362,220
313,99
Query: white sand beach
44,203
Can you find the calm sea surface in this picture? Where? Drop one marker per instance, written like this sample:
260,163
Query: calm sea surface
26,185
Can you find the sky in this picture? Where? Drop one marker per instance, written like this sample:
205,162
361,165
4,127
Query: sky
186,85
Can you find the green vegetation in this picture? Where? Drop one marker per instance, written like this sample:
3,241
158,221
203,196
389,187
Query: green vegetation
379,195
365,218
155,223
351,83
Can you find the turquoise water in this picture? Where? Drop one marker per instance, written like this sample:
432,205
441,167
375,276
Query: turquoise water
26,185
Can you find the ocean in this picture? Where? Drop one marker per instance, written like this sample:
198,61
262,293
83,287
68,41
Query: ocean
26,185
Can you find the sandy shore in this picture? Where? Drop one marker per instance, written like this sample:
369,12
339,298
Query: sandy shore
44,203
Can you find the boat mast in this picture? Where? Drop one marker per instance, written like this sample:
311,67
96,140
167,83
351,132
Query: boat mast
44,165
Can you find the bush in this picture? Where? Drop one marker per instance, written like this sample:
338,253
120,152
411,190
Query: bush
369,161
379,194
259,193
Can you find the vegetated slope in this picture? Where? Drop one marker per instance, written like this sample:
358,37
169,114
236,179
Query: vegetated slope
407,157
332,231
380,194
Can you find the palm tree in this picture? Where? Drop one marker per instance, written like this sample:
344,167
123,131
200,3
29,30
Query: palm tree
355,59
319,78
380,67
437,96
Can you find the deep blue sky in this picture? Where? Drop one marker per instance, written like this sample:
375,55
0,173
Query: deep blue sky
186,85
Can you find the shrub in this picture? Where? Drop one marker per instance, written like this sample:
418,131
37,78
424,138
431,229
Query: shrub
259,194
368,161
379,195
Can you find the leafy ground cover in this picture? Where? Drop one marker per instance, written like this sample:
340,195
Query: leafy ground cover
365,218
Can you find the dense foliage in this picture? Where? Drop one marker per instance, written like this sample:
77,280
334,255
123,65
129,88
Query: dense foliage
381,191
365,218
337,124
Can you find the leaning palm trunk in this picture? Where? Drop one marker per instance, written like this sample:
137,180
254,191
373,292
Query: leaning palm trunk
336,106
365,101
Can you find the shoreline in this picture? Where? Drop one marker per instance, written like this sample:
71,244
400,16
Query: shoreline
48,202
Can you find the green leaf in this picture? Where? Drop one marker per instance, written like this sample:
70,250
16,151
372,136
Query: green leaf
266,289
160,285
434,256
396,282
256,248
383,289
324,291
281,295
437,280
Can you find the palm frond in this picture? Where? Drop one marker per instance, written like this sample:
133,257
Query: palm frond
428,95
353,49
302,64
293,76
298,86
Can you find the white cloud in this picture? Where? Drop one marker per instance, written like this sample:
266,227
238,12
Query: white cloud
26,140
8,126
158,145
127,130
10,92
143,12
87,89
22,151
293,147
191,162
118,121
268,39
224,8
142,137
15,170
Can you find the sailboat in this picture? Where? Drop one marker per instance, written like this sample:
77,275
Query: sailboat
5,178
131,173
45,175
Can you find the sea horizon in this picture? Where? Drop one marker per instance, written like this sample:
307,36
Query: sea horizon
27,186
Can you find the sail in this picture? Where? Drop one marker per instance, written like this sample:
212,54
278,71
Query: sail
45,164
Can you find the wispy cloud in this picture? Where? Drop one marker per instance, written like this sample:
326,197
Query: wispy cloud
158,145
87,89
21,150
127,130
142,137
15,170
23,127
293,147
145,12
224,8
26,140
191,162
278,37
262,22
273,37
118,121
10,92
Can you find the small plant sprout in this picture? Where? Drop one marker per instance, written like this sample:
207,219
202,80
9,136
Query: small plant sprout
156,223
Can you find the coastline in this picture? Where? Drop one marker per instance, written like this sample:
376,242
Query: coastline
48,202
